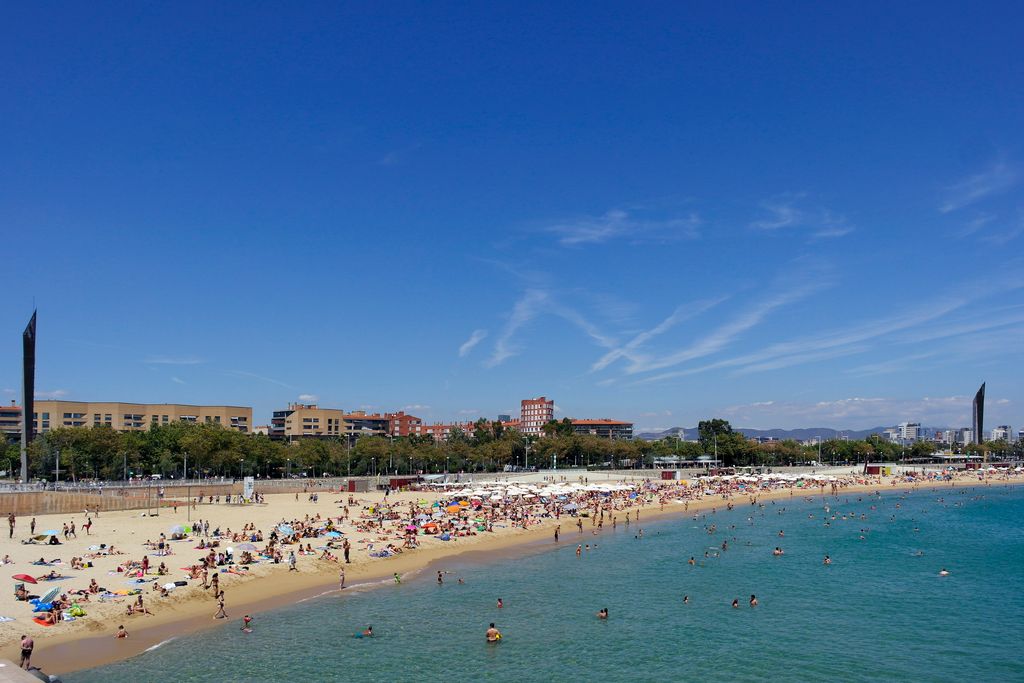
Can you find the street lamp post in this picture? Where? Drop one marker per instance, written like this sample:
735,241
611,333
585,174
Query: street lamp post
241,463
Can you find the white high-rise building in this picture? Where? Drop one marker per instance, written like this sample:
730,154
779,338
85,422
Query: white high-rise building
965,435
909,431
1002,432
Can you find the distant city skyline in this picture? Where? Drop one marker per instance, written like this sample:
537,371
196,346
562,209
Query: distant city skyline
802,216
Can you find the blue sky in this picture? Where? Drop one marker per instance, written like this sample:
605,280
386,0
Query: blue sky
786,215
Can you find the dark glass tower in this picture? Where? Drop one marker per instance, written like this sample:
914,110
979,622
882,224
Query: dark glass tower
978,423
28,388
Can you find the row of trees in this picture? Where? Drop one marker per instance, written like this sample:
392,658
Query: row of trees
212,450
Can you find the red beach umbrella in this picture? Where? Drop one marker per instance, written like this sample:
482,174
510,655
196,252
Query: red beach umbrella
24,577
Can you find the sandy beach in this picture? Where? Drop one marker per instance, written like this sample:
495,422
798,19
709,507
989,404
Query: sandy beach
88,641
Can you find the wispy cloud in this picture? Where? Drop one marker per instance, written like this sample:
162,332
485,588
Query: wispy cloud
725,334
976,224
994,333
469,411
523,311
853,412
787,212
308,398
534,303
629,350
618,223
1006,236
998,177
253,375
780,212
830,226
173,360
892,365
415,406
51,395
841,342
475,338
177,380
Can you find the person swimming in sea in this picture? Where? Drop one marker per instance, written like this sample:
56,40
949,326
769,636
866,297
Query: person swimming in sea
736,603
827,560
778,551
368,633
500,603
943,572
493,634
602,613
753,600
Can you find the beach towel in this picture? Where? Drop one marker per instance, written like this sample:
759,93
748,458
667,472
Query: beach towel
41,622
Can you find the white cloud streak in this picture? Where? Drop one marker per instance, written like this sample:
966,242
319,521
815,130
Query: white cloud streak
725,334
253,375
997,178
475,338
524,311
617,223
170,360
783,212
629,350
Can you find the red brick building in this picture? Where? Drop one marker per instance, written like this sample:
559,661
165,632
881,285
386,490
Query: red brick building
534,414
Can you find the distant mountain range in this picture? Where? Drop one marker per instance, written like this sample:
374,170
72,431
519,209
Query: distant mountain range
824,433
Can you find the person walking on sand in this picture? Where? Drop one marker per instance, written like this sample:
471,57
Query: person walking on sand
346,546
32,527
10,521
291,562
221,614
341,578
557,529
27,644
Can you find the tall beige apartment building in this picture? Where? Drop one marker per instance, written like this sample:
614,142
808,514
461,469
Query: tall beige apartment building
126,417
306,420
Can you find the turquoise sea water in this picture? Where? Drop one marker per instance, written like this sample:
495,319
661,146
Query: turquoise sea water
879,612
